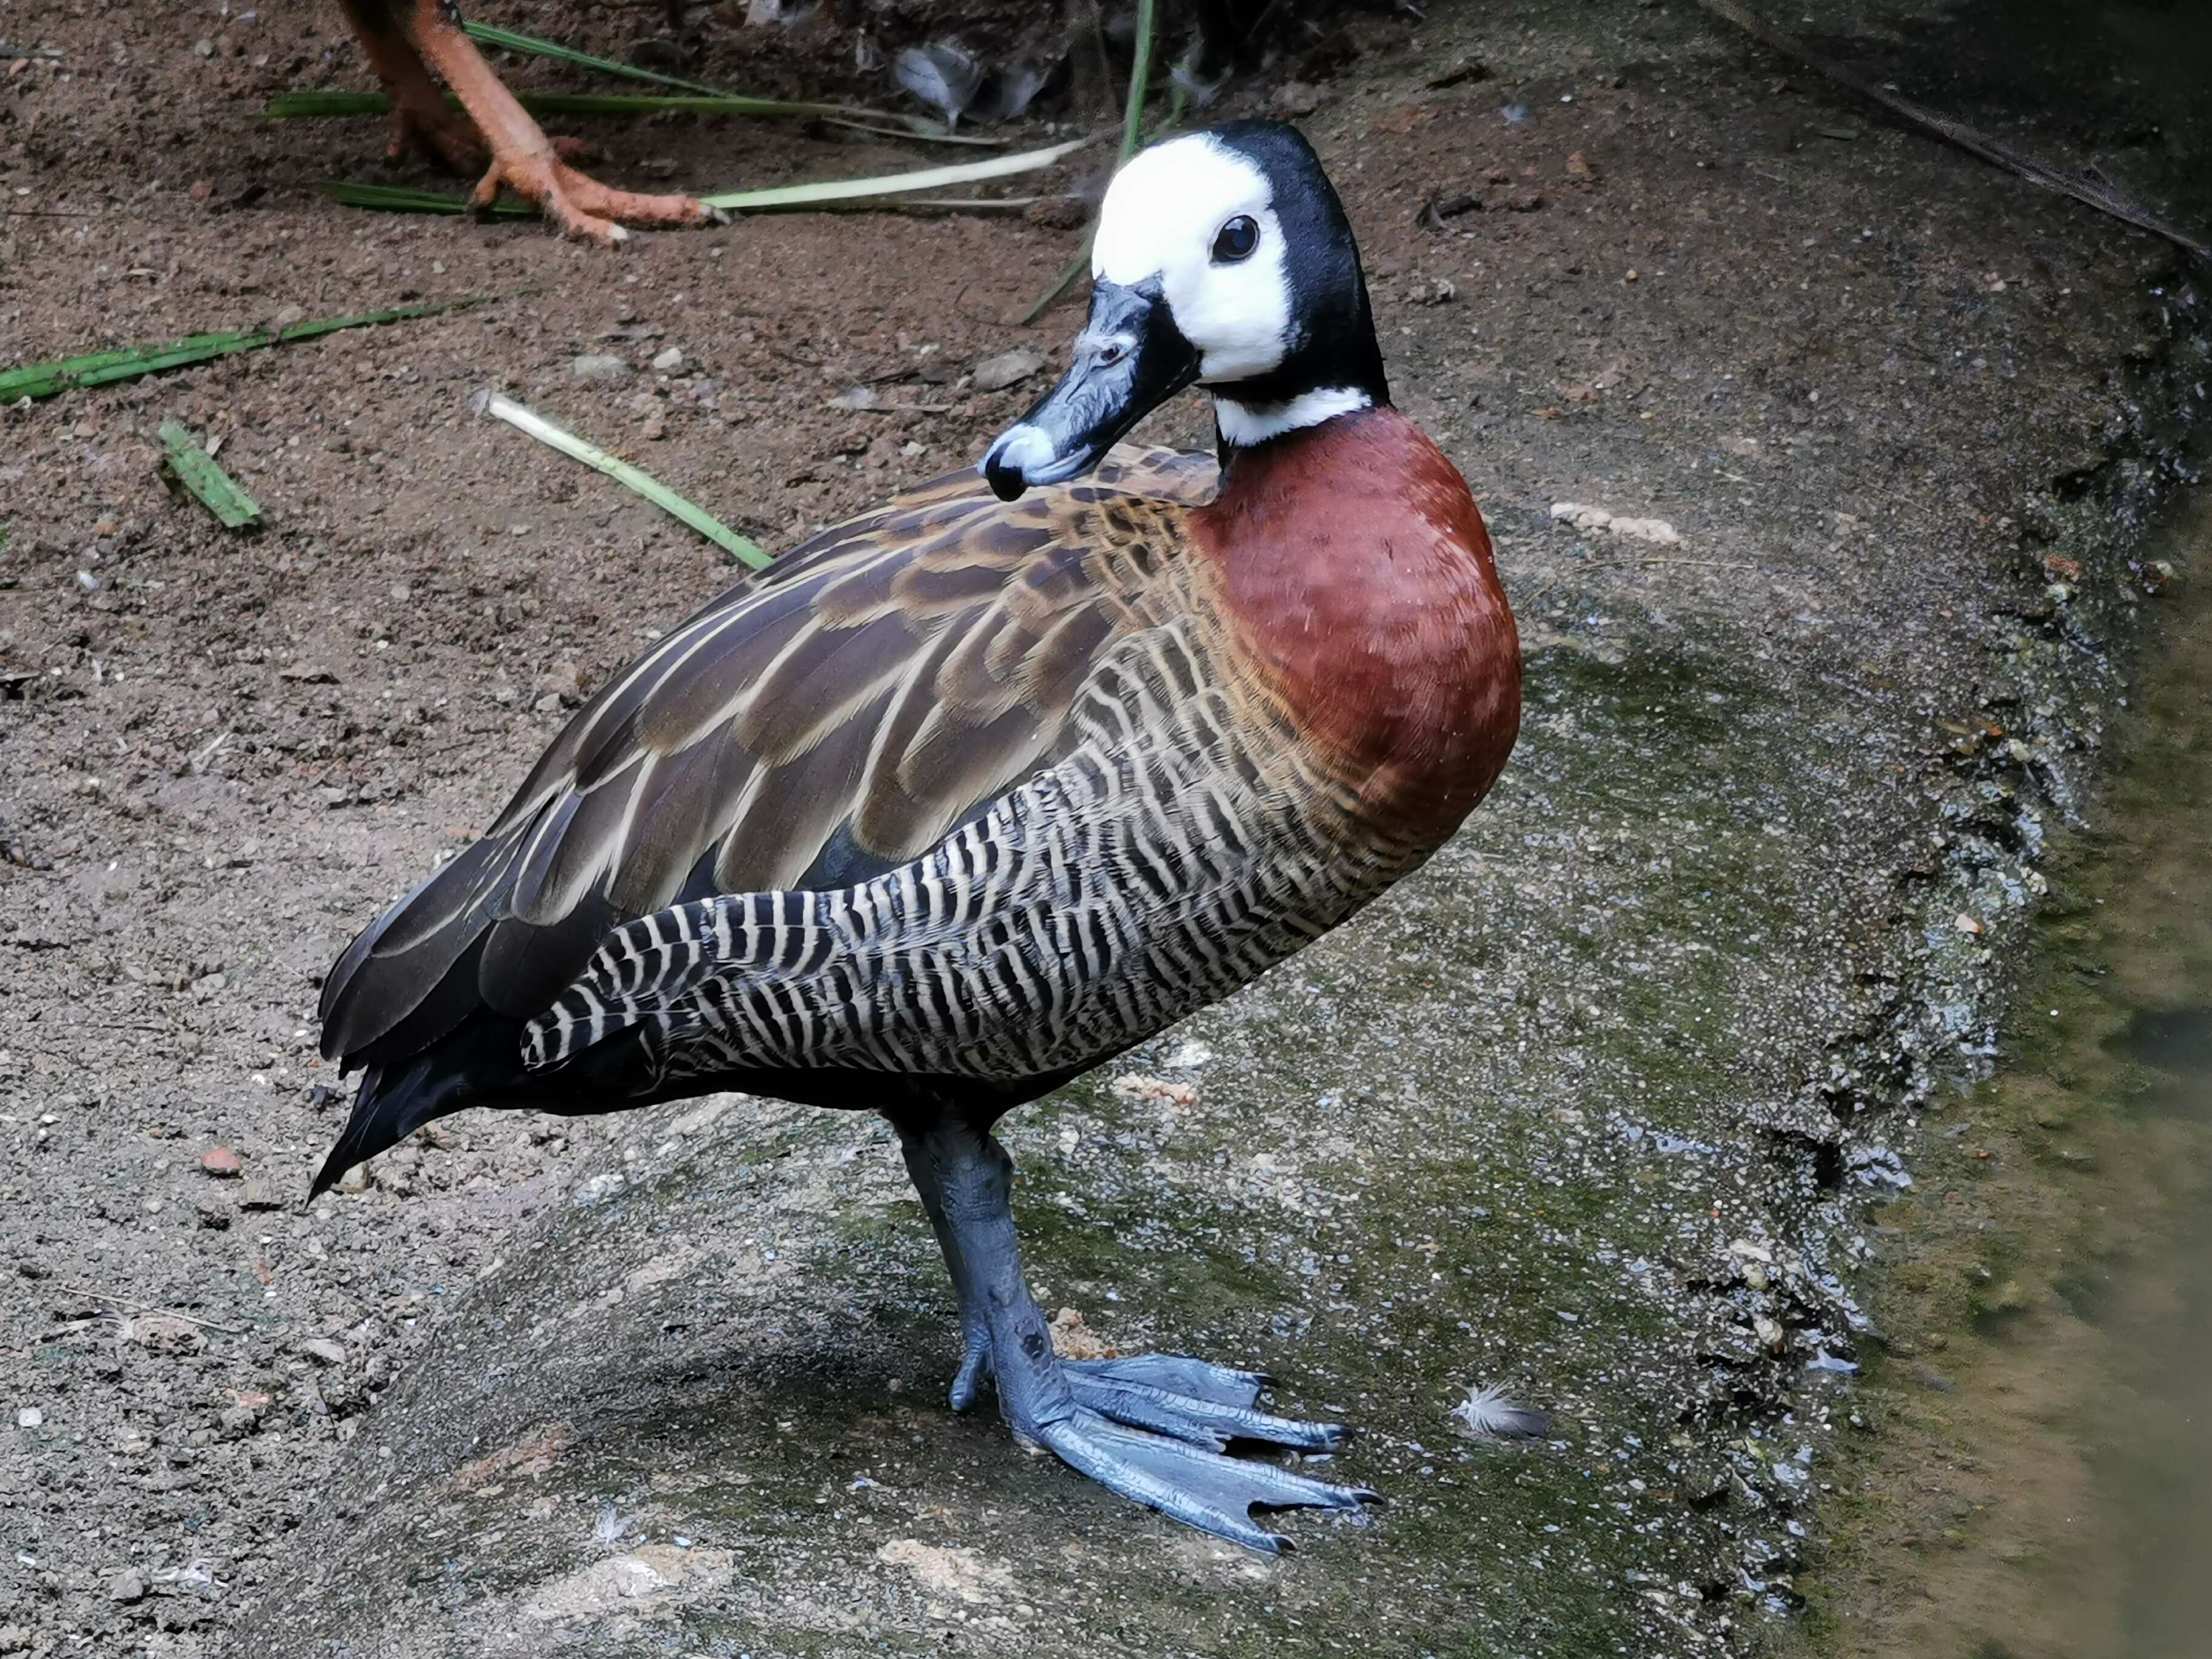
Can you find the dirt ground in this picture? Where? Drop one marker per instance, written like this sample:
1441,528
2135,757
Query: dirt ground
1871,383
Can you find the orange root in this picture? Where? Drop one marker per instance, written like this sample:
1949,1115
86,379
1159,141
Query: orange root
523,159
580,206
405,40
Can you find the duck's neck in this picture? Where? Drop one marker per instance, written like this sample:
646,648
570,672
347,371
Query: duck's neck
1335,370
1246,423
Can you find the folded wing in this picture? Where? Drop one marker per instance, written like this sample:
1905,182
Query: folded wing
815,725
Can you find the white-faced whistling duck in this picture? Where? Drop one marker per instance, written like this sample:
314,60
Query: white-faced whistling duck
965,796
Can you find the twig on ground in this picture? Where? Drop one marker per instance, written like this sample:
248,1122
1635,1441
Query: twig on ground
148,1308
2091,192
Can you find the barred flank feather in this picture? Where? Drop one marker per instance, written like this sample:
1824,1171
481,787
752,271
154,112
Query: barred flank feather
1173,856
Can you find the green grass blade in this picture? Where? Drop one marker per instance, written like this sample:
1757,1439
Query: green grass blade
1141,72
317,106
890,183
26,382
104,368
985,204
508,39
402,198
399,199
638,103
1046,301
918,135
210,485
528,421
900,125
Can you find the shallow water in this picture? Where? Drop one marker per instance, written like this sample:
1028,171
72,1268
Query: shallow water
2161,1497
2033,1475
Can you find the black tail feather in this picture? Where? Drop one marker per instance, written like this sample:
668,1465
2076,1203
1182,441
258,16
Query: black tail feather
479,1065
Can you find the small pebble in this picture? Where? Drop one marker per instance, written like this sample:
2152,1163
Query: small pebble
669,360
598,365
1007,368
128,1585
222,1164
29,1418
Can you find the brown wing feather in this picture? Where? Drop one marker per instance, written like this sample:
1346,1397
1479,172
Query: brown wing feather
874,687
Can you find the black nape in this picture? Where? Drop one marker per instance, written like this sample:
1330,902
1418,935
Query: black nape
1332,343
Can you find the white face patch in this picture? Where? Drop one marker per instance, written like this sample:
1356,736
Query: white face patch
1160,217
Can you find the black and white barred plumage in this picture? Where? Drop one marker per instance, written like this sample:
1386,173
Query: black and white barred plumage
1170,858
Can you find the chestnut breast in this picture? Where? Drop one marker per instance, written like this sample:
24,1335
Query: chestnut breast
1356,580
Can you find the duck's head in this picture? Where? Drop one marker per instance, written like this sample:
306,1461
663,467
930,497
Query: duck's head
1222,258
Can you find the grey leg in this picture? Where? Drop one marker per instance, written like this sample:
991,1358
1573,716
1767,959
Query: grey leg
974,1330
972,1179
1152,1429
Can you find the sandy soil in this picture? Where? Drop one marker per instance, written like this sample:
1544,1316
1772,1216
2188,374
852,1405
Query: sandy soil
220,755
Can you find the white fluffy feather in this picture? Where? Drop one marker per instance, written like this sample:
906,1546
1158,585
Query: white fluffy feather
1487,1414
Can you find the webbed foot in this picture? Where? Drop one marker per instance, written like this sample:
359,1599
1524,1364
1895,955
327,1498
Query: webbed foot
1206,1405
1186,1483
408,39
1154,1427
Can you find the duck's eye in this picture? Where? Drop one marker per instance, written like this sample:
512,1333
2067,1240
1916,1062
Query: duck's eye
1236,240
